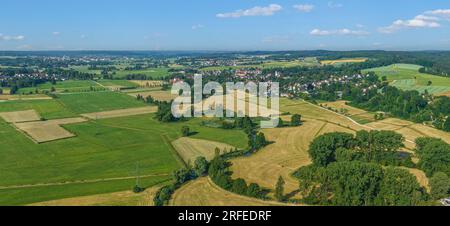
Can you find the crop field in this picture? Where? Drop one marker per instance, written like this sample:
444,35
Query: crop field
117,83
151,73
48,109
63,86
103,151
189,149
408,77
51,130
147,83
85,69
160,95
20,116
124,198
343,61
97,102
121,113
203,192
307,62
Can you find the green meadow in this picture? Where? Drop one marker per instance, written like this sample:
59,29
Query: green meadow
154,73
122,83
49,109
408,77
81,103
61,86
108,148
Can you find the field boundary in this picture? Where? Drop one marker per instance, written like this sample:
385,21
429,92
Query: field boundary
79,182
173,150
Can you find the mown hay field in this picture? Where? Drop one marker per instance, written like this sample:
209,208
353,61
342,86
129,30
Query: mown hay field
343,61
160,95
203,192
121,113
20,116
189,149
123,198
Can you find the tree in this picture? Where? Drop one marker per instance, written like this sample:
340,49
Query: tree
1,91
399,188
260,141
239,186
446,126
280,123
201,166
254,190
296,120
434,155
322,149
185,131
52,89
440,185
279,189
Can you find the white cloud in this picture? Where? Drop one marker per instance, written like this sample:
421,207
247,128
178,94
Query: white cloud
445,13
306,8
83,36
56,33
333,5
255,11
197,26
343,31
11,38
420,21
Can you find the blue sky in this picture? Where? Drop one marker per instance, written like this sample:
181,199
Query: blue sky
224,24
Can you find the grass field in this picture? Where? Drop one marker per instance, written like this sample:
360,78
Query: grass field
117,83
307,62
85,69
108,148
408,77
151,73
343,61
98,101
67,86
49,109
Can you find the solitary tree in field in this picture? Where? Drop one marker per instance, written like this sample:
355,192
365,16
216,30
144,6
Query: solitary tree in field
185,131
279,189
296,120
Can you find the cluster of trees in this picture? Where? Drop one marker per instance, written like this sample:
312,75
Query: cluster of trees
355,183
164,113
410,105
348,170
221,175
374,146
434,155
149,99
181,177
